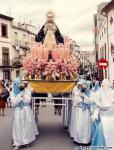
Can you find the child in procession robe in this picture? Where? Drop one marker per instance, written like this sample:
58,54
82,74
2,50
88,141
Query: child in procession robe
76,90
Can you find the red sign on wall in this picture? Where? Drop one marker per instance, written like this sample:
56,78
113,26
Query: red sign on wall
102,64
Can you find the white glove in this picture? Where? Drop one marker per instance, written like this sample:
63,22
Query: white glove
93,118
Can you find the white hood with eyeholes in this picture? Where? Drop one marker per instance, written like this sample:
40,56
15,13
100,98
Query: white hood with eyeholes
104,98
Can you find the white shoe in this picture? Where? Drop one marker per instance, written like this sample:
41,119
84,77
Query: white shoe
16,148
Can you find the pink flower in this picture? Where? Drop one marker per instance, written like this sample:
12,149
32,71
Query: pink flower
63,64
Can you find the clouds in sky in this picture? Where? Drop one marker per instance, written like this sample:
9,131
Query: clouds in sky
73,17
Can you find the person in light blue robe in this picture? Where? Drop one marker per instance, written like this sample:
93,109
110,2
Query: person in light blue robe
82,130
94,124
96,87
24,126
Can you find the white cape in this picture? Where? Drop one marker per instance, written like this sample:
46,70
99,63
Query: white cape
105,101
24,126
80,120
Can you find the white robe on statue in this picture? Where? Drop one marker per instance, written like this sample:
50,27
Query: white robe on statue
24,126
82,124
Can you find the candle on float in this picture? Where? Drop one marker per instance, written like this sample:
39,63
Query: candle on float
45,45
32,42
39,52
66,51
37,48
60,50
40,43
53,46
69,41
33,50
45,53
55,53
42,51
65,39
63,51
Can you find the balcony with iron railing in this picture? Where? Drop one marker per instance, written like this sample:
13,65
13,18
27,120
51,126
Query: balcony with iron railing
16,63
20,43
5,63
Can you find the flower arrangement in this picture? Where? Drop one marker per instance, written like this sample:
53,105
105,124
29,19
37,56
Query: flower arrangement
58,69
45,64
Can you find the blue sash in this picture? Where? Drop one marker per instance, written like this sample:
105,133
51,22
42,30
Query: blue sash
21,104
84,106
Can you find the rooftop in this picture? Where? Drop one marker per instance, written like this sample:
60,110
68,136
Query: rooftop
6,17
24,27
107,7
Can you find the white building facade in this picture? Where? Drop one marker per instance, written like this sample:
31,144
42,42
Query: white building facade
98,20
85,59
15,41
21,41
6,56
75,50
105,39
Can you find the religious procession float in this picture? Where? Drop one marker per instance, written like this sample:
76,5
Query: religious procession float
50,66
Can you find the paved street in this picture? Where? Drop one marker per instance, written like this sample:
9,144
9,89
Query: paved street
52,135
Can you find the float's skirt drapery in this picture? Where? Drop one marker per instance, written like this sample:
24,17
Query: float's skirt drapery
52,86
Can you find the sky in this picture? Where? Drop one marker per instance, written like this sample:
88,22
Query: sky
73,17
